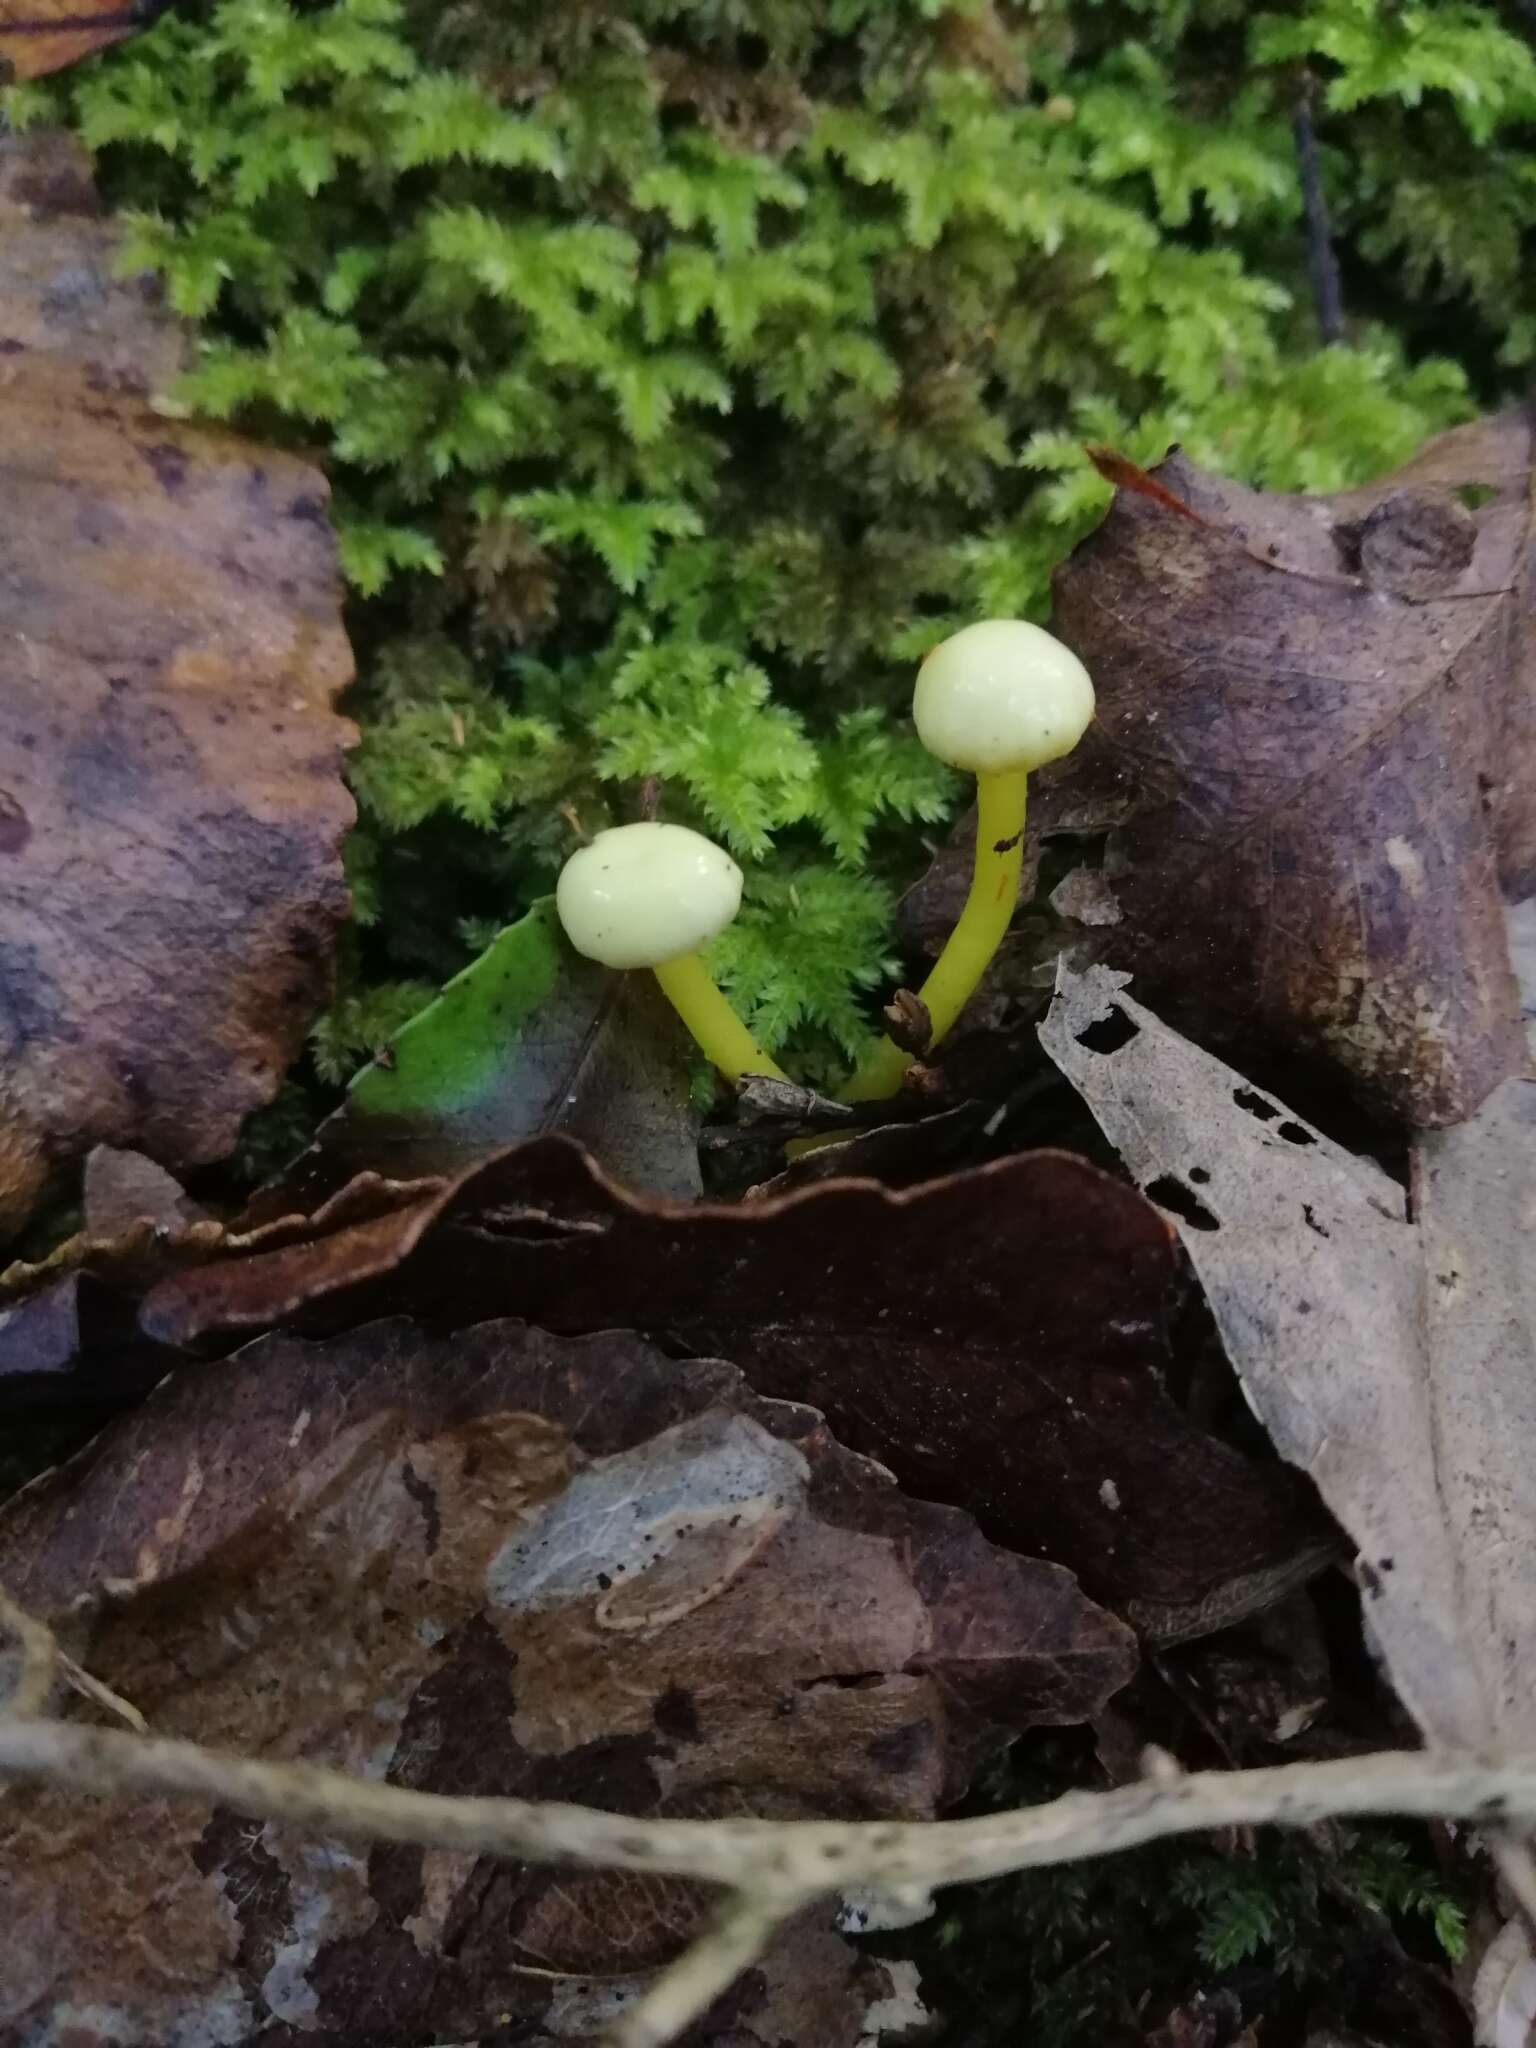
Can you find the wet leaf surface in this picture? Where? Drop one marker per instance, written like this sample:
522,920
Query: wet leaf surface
171,802
496,1562
996,1338
1328,761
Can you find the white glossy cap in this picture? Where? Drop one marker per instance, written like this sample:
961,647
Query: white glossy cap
1002,694
641,894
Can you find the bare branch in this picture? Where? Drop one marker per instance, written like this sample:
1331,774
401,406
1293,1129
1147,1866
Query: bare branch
771,1869
791,1860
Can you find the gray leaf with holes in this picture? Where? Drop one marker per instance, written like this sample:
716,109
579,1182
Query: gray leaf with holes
1390,1357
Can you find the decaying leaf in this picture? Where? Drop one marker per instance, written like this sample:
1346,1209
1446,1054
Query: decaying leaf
1504,1991
995,1338
896,1154
1393,1361
1329,760
40,36
1255,1690
492,1562
70,1340
529,1038
171,803
122,1190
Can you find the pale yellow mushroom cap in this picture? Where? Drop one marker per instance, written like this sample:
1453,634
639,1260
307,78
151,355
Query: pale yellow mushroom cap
1001,694
642,894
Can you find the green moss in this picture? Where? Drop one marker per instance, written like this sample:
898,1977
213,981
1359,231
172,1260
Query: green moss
683,370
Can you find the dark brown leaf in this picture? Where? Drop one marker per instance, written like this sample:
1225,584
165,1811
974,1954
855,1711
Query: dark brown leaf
171,802
1256,1688
1321,714
73,1348
497,1562
995,1338
898,1155
69,1338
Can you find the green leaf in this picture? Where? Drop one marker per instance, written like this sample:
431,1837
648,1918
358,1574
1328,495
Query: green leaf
529,1039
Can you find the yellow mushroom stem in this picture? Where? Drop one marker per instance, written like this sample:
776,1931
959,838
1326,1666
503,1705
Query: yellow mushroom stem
717,1030
988,911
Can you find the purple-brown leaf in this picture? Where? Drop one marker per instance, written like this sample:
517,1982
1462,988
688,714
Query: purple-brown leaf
996,1338
1319,713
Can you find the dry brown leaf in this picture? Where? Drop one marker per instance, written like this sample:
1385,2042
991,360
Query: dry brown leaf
1329,760
41,36
171,802
1392,1360
997,1338
497,1562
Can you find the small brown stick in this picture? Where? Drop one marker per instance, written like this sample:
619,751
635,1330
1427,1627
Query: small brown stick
92,1689
42,1660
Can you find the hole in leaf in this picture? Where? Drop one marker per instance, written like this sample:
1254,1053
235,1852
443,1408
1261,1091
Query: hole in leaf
1108,1033
1312,1222
1172,1195
1474,495
1199,1175
1295,1134
1247,1098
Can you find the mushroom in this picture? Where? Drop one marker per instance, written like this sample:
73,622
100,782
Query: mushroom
650,895
999,698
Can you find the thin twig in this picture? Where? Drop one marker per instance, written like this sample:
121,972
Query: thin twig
92,1689
1322,262
43,1660
740,1932
771,1869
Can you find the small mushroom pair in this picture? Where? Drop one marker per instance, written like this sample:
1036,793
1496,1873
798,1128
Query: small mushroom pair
1000,699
